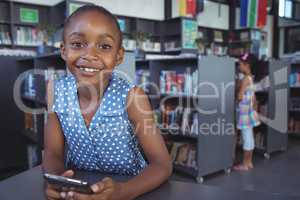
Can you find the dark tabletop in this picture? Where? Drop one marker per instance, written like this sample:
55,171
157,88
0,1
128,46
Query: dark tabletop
29,186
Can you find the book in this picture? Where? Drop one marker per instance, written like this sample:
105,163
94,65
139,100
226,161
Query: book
178,83
142,79
191,8
182,7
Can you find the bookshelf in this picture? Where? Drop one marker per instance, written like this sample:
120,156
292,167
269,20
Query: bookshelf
247,40
13,146
294,99
212,41
20,25
180,121
179,35
269,139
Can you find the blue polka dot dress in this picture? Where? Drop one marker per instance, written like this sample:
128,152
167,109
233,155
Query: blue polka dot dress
109,144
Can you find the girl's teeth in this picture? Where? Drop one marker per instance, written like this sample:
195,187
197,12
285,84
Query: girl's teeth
88,69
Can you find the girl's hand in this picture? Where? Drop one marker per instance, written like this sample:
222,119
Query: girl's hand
107,189
52,193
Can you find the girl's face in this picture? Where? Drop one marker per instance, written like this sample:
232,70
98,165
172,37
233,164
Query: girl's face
91,47
244,67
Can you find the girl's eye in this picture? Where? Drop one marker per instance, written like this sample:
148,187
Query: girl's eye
105,46
77,45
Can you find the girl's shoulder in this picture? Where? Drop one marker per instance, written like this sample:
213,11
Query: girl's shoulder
120,83
247,80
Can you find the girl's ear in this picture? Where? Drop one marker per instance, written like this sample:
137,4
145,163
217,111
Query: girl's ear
120,55
63,51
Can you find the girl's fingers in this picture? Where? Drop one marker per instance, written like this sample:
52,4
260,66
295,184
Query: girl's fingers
53,194
68,173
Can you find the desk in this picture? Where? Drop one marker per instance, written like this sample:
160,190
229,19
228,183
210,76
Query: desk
29,186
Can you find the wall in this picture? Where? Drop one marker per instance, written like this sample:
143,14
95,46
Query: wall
148,9
210,17
268,28
215,15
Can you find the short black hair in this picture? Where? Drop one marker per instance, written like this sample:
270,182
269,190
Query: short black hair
92,7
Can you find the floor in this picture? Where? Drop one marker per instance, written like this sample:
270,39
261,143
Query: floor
280,174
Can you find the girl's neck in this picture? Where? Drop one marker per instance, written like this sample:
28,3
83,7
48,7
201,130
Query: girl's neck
247,73
93,91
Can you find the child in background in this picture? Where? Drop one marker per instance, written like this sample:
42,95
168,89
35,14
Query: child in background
247,117
98,118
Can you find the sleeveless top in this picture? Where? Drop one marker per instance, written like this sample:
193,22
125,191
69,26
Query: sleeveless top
109,143
247,117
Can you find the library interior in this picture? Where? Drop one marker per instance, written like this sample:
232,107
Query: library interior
201,99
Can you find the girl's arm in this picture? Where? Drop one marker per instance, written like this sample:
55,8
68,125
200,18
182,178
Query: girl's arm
53,159
242,87
152,143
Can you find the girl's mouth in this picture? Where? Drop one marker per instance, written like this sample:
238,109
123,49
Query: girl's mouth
88,69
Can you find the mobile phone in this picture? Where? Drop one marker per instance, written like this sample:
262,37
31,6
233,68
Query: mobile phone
60,182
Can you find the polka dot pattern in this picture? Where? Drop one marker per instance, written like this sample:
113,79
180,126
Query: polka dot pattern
108,144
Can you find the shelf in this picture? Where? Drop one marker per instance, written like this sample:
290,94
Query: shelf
294,134
30,135
6,23
6,45
34,99
187,170
294,110
295,87
239,42
262,92
155,52
179,95
26,45
176,58
50,55
25,24
141,60
178,132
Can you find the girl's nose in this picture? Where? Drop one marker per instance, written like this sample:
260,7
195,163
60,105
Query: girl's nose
90,53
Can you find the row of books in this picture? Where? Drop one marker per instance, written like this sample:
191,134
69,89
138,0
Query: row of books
131,45
5,37
294,125
17,52
178,83
29,36
174,45
183,154
216,49
179,120
30,84
30,123
245,36
294,79
31,127
142,79
294,104
263,84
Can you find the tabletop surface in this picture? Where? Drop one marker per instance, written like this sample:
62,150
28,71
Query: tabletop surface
29,185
